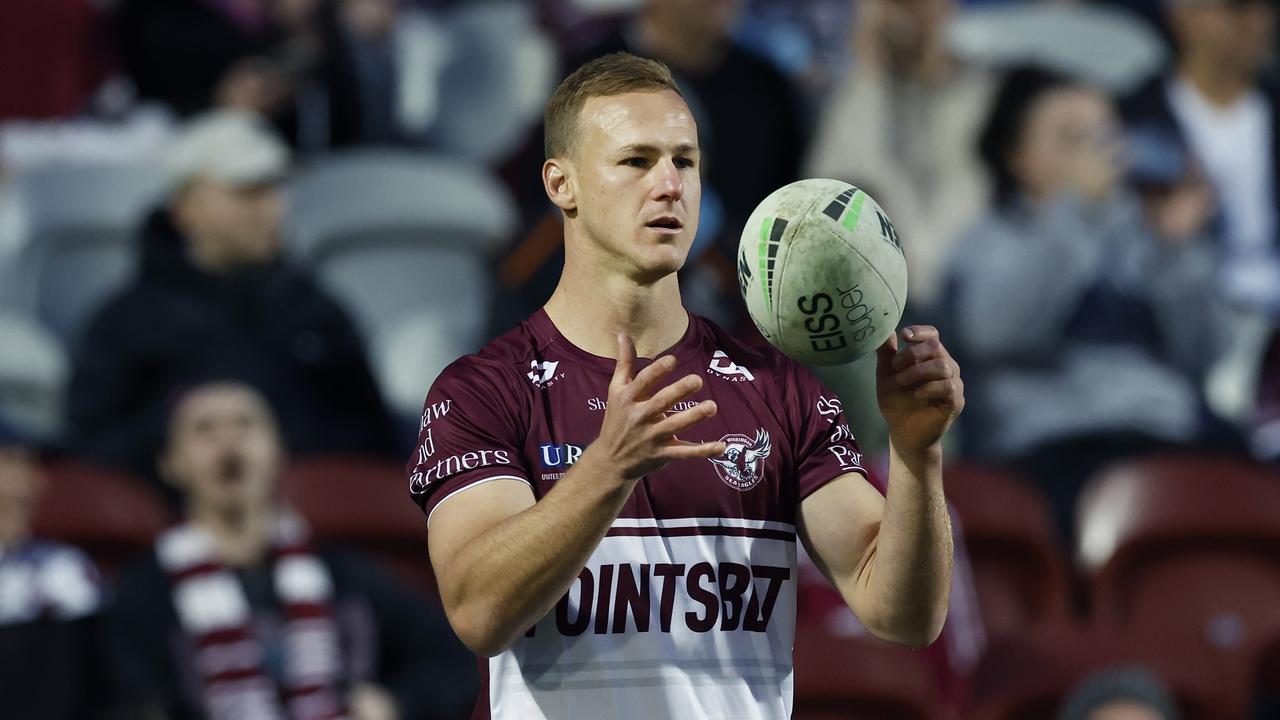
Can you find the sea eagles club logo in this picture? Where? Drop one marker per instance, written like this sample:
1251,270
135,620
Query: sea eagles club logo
740,464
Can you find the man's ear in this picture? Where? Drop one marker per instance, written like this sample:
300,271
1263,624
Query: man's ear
557,180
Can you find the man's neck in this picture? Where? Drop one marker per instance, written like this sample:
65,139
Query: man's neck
1221,87
589,311
241,535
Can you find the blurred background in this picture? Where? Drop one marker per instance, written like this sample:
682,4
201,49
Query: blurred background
233,231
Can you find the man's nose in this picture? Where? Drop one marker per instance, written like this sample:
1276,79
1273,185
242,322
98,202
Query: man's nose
669,185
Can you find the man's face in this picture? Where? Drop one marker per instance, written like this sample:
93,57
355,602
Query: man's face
1237,36
635,173
224,450
20,483
235,225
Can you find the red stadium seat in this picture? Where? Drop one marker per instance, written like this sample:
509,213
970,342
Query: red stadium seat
364,503
1184,557
1029,677
1018,563
840,678
110,515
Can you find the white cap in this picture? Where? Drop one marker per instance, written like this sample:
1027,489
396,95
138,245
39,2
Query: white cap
230,146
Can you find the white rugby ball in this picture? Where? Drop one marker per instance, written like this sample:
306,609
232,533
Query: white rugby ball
822,271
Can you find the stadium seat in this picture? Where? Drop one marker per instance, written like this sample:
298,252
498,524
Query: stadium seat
1028,677
364,503
82,245
1183,553
33,373
860,679
405,242
501,71
1018,564
110,515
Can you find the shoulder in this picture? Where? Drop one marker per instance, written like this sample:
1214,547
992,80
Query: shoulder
756,355
494,376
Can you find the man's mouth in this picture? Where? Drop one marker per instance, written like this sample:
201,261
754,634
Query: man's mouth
231,469
666,223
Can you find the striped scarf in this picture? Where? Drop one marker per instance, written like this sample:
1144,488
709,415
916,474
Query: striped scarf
213,610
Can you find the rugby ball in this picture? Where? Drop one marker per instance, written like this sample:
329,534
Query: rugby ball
822,271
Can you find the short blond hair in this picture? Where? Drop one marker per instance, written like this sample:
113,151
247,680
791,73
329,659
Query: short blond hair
612,74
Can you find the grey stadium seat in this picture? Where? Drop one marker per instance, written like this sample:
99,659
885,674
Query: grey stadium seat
405,242
500,72
82,245
33,374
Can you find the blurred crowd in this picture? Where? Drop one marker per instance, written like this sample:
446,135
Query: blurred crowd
235,232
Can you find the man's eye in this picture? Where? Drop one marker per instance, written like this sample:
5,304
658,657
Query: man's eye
684,163
636,162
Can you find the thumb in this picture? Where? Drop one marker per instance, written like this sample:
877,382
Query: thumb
622,374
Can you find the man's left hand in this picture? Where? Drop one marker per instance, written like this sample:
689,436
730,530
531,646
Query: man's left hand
919,388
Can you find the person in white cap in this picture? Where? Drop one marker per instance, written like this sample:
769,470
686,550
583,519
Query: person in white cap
214,296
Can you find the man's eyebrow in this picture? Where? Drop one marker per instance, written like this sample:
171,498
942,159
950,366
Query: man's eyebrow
643,149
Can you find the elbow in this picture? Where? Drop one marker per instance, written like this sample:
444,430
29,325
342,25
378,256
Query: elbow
915,634
480,631
915,629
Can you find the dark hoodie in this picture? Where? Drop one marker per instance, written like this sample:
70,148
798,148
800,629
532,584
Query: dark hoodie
269,326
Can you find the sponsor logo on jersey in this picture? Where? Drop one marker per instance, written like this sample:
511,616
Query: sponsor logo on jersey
433,412
597,404
726,596
848,458
741,466
829,407
554,456
723,366
543,374
425,474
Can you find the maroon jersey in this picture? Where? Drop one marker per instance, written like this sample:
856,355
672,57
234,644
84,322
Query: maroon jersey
686,609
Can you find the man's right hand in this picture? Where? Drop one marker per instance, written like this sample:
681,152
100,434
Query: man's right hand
637,436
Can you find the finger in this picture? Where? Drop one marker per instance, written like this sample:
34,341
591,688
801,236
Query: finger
668,396
886,351
938,390
647,378
913,353
679,422
919,333
928,371
681,450
626,361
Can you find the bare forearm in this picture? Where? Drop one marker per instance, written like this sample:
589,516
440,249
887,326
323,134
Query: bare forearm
510,576
906,583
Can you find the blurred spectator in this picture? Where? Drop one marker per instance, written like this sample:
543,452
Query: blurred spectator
50,662
378,81
328,74
1216,98
1122,693
214,295
235,615
903,125
53,55
1085,330
192,54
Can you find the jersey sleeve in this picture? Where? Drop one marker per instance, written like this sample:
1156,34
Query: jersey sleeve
824,445
470,432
